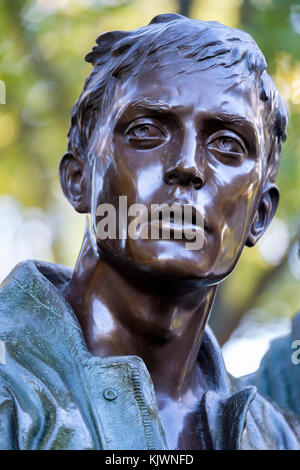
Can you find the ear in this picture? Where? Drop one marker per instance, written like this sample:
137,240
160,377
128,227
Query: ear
263,215
73,182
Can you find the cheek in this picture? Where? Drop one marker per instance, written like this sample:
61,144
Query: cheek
237,209
138,174
237,206
113,178
233,199
237,188
149,181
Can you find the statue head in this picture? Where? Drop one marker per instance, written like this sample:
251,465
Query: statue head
178,111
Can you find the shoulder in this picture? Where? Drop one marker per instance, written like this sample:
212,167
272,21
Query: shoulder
267,426
28,297
36,324
278,376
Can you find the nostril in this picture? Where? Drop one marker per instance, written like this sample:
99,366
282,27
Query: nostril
197,182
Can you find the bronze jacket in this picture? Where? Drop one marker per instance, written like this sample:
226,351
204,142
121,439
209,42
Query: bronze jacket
54,394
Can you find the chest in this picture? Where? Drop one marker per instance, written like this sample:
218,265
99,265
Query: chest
184,428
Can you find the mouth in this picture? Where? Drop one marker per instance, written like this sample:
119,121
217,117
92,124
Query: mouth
176,221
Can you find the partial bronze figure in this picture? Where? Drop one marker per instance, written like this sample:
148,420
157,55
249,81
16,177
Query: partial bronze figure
117,354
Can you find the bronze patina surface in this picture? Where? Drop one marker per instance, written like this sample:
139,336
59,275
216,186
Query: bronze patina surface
117,354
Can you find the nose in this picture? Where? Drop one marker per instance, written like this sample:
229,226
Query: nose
184,176
184,170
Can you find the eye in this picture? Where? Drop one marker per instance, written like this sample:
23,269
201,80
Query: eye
227,144
143,131
145,134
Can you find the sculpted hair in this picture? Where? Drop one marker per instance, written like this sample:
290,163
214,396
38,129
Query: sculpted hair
119,54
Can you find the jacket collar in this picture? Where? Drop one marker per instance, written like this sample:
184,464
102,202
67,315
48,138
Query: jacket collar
222,411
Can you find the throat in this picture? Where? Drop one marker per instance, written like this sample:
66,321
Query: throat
122,314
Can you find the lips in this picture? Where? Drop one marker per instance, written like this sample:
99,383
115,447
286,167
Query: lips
175,220
172,231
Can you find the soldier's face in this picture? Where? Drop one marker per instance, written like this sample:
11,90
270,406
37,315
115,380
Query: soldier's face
182,138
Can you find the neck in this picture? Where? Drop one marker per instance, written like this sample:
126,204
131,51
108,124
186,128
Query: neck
125,312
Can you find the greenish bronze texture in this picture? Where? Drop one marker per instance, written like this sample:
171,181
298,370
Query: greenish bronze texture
117,354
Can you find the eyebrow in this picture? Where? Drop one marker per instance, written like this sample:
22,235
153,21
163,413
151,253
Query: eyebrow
159,107
236,120
147,104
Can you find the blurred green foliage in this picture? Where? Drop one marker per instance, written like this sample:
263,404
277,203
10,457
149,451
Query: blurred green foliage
42,45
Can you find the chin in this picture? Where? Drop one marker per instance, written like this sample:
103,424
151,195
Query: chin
171,259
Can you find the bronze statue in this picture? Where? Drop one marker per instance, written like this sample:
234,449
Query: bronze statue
117,354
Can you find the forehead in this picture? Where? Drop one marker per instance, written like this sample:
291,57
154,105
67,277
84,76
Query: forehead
183,87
